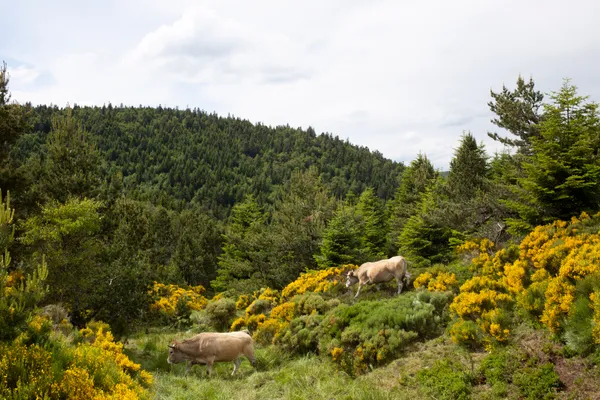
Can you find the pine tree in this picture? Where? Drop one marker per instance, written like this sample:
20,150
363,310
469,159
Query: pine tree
71,166
372,224
424,241
563,173
518,113
468,169
242,258
301,211
341,242
414,181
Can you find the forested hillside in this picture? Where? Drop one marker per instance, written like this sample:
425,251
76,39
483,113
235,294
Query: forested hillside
121,223
193,156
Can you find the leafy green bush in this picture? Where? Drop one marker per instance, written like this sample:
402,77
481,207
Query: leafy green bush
258,306
578,334
221,313
537,382
301,336
446,379
371,333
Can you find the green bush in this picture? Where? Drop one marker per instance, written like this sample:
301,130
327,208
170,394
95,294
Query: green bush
371,333
221,313
537,382
301,336
577,332
446,379
309,303
258,306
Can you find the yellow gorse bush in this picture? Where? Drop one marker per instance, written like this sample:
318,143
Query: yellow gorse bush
317,281
166,298
284,312
95,368
542,280
438,281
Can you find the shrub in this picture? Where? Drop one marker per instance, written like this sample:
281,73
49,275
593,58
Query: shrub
539,382
436,279
258,306
446,379
175,304
301,335
319,281
243,301
221,313
466,333
375,332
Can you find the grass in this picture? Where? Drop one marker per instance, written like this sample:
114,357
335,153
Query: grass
278,376
303,378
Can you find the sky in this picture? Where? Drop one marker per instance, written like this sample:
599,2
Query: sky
399,77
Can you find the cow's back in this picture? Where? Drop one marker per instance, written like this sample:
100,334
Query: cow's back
382,270
225,346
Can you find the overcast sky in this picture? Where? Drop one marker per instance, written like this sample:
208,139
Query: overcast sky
398,76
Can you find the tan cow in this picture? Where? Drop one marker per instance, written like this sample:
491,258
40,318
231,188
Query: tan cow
208,347
378,272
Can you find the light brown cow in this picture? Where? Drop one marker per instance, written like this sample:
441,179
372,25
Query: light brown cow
378,272
208,347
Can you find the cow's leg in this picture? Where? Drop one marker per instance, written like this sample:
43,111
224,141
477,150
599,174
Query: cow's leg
358,291
400,285
190,364
236,365
209,364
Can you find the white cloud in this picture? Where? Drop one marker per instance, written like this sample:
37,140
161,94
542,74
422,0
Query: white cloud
398,77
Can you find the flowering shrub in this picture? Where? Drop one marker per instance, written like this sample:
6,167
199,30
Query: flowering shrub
541,280
94,368
242,302
436,281
174,301
317,281
372,332
284,312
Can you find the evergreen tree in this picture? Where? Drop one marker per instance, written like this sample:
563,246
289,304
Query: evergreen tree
66,235
20,292
298,221
519,113
198,246
415,179
372,224
423,240
341,242
563,173
468,169
13,124
70,166
242,261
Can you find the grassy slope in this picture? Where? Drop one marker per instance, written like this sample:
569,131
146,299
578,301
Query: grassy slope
279,376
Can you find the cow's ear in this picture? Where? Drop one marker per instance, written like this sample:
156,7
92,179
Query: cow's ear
171,346
350,273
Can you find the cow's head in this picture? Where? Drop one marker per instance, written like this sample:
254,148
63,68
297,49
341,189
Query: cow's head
175,355
351,278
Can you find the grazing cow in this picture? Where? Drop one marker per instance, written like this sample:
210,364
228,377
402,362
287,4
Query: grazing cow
208,347
378,272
